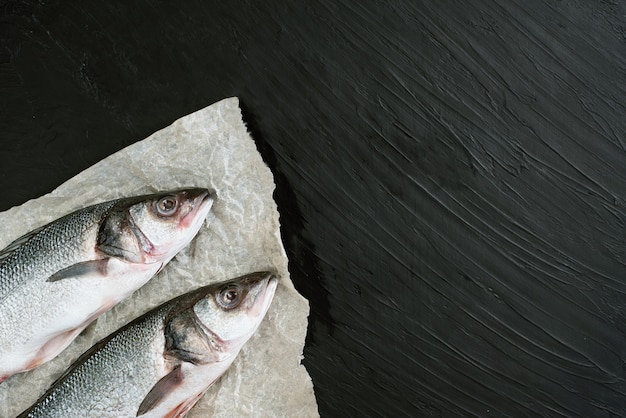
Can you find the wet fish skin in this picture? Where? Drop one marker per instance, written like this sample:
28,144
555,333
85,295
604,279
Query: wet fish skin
160,364
58,278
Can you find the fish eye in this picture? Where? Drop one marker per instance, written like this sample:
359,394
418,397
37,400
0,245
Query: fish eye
166,206
229,296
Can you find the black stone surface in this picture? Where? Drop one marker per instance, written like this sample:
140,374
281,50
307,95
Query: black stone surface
451,175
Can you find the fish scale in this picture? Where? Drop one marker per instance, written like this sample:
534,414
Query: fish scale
30,264
134,359
58,278
136,371
47,249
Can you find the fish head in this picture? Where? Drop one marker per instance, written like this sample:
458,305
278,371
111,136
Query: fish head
234,310
204,331
154,228
230,313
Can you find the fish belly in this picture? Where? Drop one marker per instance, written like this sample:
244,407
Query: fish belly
32,337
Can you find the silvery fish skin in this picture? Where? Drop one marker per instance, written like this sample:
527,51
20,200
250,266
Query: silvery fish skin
57,279
160,364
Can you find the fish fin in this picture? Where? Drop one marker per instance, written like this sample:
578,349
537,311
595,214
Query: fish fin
160,390
9,249
53,347
160,268
183,408
81,269
89,329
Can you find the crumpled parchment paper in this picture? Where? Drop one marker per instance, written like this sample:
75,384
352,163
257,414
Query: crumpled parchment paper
209,148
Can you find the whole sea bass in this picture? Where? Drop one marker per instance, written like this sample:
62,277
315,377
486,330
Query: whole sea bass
57,279
160,364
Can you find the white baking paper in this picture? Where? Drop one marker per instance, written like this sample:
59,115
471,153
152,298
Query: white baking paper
209,148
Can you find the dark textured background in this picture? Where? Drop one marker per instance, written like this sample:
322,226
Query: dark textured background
451,175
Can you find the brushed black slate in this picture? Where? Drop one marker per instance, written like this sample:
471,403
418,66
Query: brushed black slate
451,175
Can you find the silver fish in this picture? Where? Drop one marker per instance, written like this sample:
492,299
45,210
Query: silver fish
58,278
160,364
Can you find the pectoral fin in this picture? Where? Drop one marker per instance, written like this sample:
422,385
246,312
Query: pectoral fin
160,390
182,409
83,269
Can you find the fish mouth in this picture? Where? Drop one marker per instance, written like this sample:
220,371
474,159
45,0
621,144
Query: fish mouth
265,297
201,203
